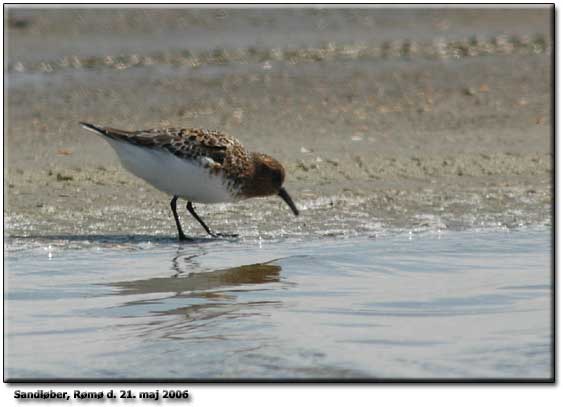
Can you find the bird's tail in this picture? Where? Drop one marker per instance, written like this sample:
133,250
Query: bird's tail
94,128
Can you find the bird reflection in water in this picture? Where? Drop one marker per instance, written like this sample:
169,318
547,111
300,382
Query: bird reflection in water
204,295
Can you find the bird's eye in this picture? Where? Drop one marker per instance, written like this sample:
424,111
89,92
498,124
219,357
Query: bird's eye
276,178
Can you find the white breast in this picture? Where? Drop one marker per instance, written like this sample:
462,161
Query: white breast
173,175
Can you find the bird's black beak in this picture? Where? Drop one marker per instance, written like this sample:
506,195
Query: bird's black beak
285,196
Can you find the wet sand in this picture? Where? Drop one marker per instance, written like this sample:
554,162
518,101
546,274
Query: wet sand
445,124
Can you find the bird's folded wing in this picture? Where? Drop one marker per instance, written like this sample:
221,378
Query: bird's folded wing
184,143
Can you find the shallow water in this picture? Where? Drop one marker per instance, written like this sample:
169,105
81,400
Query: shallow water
466,304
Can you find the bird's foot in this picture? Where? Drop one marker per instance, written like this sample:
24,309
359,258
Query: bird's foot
225,235
183,238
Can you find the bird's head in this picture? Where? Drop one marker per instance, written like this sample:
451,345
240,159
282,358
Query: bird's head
268,177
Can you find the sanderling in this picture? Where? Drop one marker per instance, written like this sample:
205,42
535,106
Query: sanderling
198,165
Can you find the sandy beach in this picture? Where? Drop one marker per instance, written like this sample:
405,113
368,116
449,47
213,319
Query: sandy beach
445,123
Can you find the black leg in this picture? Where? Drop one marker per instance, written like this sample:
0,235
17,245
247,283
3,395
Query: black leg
181,235
191,209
